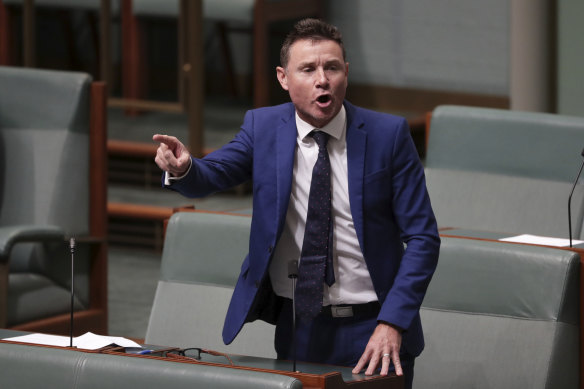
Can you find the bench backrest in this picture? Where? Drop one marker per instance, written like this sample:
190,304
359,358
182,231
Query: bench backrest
201,260
505,171
501,315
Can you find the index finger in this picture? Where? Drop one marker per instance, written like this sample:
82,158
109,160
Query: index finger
168,140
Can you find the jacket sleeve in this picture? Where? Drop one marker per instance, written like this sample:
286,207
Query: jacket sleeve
222,169
418,232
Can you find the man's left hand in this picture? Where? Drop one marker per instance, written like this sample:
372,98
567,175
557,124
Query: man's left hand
383,345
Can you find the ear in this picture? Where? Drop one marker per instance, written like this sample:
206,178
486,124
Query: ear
281,74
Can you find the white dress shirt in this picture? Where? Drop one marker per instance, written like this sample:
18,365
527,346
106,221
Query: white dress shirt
353,283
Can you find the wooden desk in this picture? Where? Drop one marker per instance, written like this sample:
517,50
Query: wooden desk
490,236
315,376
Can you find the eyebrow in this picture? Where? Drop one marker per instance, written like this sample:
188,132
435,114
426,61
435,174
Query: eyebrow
312,63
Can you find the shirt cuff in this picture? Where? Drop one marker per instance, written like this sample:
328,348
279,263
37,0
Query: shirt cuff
168,179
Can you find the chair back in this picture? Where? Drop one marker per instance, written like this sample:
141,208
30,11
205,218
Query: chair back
505,171
45,180
501,315
44,148
201,260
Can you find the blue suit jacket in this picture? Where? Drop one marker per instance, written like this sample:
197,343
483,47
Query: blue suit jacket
388,199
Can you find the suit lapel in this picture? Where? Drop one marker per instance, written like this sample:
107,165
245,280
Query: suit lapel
286,144
356,148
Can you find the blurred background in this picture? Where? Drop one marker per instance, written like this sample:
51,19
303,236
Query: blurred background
192,68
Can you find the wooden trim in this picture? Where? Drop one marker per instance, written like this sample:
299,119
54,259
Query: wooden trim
132,66
427,129
137,149
105,24
98,201
98,159
137,211
389,98
5,31
145,105
261,85
193,72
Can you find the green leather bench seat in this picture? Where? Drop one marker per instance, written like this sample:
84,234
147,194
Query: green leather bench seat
505,171
500,315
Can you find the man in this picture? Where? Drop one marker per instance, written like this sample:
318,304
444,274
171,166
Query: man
371,289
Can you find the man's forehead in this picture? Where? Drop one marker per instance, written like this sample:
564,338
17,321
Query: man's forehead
305,47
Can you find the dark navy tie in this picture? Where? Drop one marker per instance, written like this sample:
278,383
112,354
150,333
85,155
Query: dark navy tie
316,256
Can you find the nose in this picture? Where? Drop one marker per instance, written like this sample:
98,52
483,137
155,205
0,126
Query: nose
321,78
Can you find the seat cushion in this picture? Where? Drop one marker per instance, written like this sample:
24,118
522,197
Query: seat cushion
32,296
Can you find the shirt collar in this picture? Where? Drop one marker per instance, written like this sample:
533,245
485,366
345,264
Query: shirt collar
334,128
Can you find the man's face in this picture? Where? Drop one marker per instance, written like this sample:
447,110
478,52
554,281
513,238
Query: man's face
316,79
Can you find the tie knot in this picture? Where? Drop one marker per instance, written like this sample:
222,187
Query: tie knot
321,138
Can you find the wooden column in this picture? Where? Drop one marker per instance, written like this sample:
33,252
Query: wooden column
191,15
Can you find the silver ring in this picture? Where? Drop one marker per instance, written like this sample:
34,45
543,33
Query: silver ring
385,355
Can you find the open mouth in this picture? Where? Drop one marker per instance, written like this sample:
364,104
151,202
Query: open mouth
323,99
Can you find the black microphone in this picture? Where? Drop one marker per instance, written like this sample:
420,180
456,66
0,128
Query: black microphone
72,248
570,199
293,275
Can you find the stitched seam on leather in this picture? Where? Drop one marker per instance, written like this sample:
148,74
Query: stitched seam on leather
79,368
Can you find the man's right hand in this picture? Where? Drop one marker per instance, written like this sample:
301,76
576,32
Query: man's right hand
172,156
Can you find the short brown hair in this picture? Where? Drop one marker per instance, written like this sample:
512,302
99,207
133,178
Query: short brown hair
311,29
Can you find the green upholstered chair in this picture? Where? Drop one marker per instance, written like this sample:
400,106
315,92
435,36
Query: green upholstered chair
501,315
505,171
52,175
201,260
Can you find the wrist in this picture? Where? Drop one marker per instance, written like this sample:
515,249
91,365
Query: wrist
395,327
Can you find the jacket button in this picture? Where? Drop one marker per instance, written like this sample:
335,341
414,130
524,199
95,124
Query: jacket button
257,284
270,249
